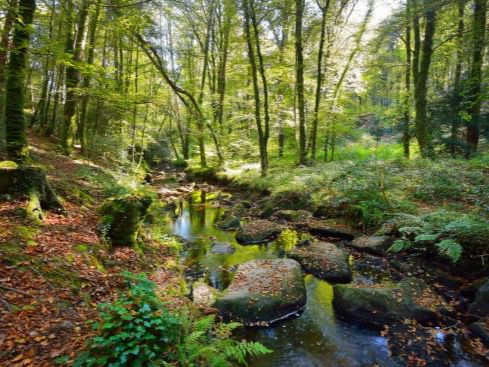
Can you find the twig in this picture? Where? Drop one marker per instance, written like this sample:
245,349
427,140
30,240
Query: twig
7,305
15,290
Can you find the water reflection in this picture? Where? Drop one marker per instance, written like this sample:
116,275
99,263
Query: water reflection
315,338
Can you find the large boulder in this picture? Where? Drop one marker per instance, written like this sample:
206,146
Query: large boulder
258,231
263,292
324,260
377,306
332,228
373,244
480,306
122,218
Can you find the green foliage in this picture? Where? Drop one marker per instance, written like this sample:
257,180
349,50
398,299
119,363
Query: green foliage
449,232
138,330
451,249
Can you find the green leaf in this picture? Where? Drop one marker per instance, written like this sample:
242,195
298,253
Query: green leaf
450,249
399,245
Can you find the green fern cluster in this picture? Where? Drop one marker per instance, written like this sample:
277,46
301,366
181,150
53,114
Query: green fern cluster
448,232
138,330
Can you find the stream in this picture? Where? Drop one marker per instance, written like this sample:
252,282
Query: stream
316,338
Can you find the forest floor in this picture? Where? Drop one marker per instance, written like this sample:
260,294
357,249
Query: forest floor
53,275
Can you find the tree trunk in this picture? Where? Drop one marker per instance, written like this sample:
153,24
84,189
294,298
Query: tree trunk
73,47
14,99
422,130
87,78
406,138
299,68
319,78
475,75
262,142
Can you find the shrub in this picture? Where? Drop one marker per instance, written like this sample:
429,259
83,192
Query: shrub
138,330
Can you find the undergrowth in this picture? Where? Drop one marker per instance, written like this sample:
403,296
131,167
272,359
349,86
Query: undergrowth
138,329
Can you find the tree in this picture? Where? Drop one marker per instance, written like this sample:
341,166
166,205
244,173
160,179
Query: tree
299,57
475,75
423,52
16,77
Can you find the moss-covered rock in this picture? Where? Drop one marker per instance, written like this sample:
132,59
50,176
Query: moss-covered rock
122,218
332,228
293,215
324,260
258,231
263,292
377,306
373,244
228,221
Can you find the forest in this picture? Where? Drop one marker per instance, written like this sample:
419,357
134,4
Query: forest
219,183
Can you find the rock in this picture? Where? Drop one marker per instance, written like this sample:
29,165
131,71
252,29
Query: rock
228,222
122,218
480,330
331,228
480,306
258,231
293,215
470,290
203,294
373,244
222,248
263,292
324,260
378,305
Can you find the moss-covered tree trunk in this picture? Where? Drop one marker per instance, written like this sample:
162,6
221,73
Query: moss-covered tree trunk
16,80
475,75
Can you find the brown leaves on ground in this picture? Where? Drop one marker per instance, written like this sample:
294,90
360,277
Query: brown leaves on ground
53,276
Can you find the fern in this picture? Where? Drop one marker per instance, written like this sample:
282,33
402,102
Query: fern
399,246
450,249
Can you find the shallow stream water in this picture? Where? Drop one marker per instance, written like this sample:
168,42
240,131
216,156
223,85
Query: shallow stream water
316,338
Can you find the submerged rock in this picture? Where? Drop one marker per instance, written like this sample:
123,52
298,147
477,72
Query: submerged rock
263,292
324,260
228,222
373,244
380,305
258,231
222,248
332,228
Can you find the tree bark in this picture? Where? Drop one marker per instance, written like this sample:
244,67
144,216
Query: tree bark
299,68
475,75
14,99
422,130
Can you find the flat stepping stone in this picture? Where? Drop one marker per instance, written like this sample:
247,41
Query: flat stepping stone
264,292
258,231
324,260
